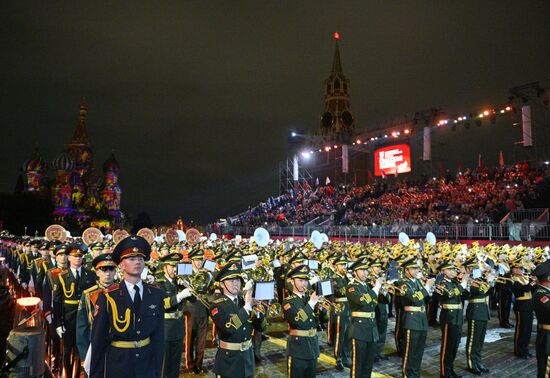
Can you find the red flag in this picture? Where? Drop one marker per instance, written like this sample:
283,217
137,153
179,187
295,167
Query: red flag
369,176
459,166
317,182
479,161
501,159
440,169
306,185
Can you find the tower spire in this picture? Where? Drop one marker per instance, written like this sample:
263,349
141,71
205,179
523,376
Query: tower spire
336,62
80,136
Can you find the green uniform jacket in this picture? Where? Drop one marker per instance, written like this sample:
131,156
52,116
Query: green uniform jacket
362,298
541,303
414,295
174,329
340,288
478,311
299,315
451,295
234,325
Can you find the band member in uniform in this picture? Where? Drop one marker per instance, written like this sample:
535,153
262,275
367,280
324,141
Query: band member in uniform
451,319
234,318
68,290
477,316
199,322
382,310
341,318
504,293
128,329
364,332
541,303
303,343
174,327
414,321
522,289
105,271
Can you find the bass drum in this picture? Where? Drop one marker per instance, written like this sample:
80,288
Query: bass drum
29,342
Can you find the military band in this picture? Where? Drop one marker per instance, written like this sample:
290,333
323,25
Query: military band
133,324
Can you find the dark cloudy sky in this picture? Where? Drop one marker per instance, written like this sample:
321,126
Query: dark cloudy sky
196,97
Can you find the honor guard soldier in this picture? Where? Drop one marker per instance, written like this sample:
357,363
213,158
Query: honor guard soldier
303,343
37,269
68,289
174,327
477,316
199,321
541,303
504,293
341,317
362,300
48,263
414,321
128,329
234,318
449,291
105,271
522,289
50,280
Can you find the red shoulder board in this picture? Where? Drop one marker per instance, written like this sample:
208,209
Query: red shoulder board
56,272
286,306
544,299
112,288
214,311
351,289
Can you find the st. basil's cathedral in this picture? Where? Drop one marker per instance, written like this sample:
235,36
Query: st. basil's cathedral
79,195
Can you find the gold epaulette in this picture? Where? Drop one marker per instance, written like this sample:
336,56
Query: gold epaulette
219,300
90,289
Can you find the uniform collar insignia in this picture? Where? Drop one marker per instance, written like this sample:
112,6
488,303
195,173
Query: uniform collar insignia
152,307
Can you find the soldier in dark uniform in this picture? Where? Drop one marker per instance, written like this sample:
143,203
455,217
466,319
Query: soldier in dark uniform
37,268
504,293
234,318
105,271
279,274
433,305
68,289
523,308
47,263
340,315
382,311
199,322
477,316
362,300
414,322
303,343
50,280
174,327
128,329
450,292
541,304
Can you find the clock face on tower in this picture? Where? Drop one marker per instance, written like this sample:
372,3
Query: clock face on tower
347,118
326,120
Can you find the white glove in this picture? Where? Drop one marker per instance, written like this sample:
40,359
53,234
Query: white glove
24,284
185,293
60,331
313,280
49,318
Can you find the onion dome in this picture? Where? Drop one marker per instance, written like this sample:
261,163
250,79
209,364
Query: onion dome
111,164
63,162
36,163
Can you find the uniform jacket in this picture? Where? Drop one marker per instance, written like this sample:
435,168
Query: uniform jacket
234,325
451,295
66,296
414,294
116,320
362,298
299,315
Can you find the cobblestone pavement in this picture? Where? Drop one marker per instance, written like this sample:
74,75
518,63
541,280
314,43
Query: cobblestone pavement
497,355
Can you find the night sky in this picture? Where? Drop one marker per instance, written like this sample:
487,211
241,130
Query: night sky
196,97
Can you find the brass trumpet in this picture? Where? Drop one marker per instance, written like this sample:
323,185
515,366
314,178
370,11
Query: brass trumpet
196,283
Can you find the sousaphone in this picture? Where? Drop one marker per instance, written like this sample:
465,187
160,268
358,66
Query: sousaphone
193,236
147,234
261,237
171,236
92,235
119,235
56,232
